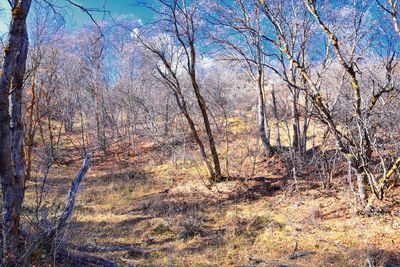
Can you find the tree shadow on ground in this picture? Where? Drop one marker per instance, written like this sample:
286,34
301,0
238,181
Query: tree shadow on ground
371,257
168,202
348,257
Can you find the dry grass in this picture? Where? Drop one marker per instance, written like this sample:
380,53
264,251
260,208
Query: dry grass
166,207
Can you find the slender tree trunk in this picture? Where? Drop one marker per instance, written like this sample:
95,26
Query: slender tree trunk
202,105
262,117
31,131
166,118
276,115
394,13
14,53
203,108
98,127
69,115
182,106
82,132
51,151
304,136
296,122
203,153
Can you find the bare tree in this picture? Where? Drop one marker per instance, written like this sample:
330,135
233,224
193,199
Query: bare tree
242,22
357,148
12,72
179,53
12,154
391,8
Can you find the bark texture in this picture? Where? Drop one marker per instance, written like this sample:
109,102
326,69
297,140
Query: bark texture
12,71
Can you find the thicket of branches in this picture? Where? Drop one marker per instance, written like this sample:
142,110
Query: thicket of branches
283,68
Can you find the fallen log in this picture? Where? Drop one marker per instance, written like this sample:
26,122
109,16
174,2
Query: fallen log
297,254
69,209
65,257
277,263
133,251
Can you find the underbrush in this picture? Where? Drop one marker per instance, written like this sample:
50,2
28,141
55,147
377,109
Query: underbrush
262,215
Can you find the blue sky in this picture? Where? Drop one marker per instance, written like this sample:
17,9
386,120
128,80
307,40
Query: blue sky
75,17
128,8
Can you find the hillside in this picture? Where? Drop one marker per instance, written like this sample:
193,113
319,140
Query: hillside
169,211
244,133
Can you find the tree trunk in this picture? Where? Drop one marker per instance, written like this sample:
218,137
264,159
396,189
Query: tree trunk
296,121
17,132
203,108
276,115
69,116
304,136
261,120
73,191
14,53
6,174
202,105
362,180
31,131
99,124
362,186
181,102
166,118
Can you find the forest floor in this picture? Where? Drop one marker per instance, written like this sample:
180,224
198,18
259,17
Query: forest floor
142,198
